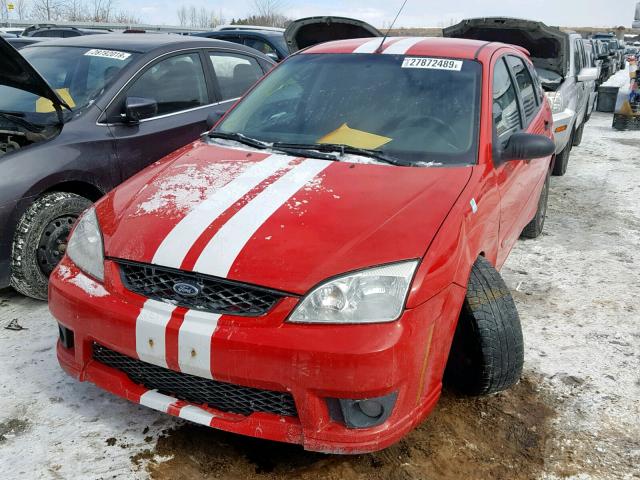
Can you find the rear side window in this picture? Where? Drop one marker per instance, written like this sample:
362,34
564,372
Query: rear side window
506,114
176,83
260,45
525,86
235,73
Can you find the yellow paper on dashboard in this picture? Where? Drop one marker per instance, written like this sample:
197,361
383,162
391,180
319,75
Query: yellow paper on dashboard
344,135
44,105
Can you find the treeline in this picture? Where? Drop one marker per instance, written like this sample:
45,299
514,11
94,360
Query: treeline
100,11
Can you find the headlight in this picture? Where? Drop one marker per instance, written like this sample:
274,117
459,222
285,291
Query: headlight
368,296
85,245
556,101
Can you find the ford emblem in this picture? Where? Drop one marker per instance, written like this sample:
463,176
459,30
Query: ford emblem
185,289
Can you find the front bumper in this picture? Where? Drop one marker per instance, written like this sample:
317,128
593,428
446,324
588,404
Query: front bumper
311,362
562,126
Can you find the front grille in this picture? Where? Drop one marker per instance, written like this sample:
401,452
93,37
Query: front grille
202,391
215,294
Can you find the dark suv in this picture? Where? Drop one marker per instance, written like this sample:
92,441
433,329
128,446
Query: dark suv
80,115
56,31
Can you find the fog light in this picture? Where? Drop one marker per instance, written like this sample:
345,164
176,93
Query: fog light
362,413
371,408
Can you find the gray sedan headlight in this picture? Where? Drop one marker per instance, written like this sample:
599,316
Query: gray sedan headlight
368,296
85,245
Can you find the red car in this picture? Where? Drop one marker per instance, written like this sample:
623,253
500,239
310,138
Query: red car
312,268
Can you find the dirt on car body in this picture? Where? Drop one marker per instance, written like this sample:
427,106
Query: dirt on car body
504,436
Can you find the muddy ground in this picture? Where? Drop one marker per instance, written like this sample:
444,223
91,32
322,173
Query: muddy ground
574,414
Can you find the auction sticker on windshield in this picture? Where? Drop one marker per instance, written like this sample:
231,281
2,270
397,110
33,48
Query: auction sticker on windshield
96,52
432,63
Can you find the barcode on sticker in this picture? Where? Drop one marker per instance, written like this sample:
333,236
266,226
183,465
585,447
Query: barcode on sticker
96,52
433,63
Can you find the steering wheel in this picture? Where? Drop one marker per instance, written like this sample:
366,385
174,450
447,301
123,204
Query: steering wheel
448,133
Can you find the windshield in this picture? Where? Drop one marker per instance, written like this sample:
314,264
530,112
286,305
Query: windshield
414,109
78,75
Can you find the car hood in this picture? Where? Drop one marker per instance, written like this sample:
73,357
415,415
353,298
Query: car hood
305,32
16,72
549,46
277,221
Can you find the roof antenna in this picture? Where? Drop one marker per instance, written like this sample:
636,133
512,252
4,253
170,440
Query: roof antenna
379,49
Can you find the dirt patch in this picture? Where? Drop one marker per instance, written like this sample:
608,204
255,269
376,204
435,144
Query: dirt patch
504,436
11,428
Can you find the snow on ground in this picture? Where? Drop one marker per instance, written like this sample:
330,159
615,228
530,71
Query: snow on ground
575,415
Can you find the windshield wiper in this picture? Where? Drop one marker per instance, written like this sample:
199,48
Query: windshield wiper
254,142
238,137
342,149
20,120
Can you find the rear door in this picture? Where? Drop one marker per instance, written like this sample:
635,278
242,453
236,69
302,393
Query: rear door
517,105
580,62
233,74
178,82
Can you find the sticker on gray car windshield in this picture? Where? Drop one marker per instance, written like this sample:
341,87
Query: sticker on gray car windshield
432,63
96,52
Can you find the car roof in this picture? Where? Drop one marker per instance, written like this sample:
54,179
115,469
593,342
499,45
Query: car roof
241,32
436,46
141,42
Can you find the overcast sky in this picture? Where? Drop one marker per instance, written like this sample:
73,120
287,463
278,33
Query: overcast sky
428,13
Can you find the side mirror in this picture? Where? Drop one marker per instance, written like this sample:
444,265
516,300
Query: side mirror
527,146
139,108
588,74
213,118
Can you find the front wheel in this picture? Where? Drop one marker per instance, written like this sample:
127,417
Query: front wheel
41,240
536,225
562,159
487,353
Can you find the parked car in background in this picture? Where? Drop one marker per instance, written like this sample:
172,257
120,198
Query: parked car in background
561,64
307,286
591,86
615,51
21,42
603,59
301,33
268,42
80,115
11,30
58,31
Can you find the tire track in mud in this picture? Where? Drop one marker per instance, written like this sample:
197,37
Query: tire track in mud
503,436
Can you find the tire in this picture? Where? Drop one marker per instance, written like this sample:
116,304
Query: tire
536,225
40,240
487,353
562,159
577,136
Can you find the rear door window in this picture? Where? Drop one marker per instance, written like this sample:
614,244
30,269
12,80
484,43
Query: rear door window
177,83
506,113
525,86
260,45
235,73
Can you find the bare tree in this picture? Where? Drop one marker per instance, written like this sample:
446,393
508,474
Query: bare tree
21,9
267,13
126,18
182,15
75,11
47,10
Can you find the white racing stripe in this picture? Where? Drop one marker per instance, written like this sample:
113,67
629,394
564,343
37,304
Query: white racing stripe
194,342
157,401
151,326
369,47
401,47
176,245
196,415
222,250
